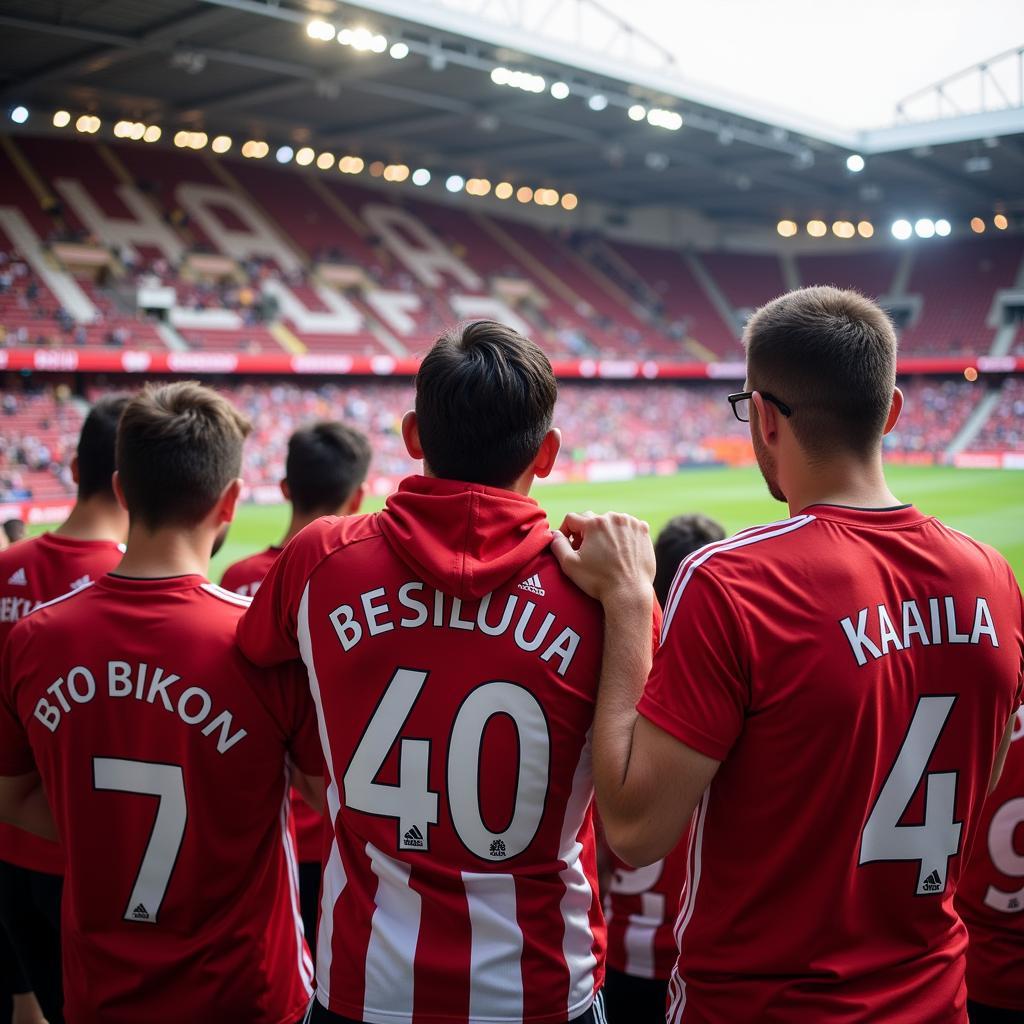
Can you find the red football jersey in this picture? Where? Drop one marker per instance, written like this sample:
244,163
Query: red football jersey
455,670
244,577
990,896
641,907
165,756
854,672
31,572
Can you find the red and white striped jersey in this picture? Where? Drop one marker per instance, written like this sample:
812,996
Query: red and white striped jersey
641,908
853,671
991,893
455,671
244,577
165,757
31,572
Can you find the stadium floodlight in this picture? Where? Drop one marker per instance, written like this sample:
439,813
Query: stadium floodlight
855,163
1000,221
977,225
61,119
597,102
503,190
943,227
322,31
152,133
816,228
865,228
569,201
19,115
421,177
345,36
671,120
325,161
305,156
351,164
284,154
500,76
843,229
378,44
396,172
363,39
221,144
637,112
399,51
524,193
924,227
786,228
901,229
455,183
559,90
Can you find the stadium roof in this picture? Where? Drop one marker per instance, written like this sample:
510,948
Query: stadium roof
249,68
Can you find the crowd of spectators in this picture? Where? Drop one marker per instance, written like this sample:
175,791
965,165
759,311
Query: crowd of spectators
1004,429
933,413
38,435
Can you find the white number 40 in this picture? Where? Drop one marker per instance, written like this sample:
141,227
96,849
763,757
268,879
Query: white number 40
932,843
149,779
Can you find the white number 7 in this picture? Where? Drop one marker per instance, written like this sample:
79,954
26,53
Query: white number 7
149,779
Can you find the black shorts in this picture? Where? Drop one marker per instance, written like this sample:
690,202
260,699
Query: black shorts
317,1014
632,1000
981,1014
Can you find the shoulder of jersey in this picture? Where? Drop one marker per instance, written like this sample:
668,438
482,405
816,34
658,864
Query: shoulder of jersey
228,597
56,606
755,543
329,534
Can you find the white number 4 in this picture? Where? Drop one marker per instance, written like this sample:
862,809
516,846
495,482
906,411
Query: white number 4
938,838
149,779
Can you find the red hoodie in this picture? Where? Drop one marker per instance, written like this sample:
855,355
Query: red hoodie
454,668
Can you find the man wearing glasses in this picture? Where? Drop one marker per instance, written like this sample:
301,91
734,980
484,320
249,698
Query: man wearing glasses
827,709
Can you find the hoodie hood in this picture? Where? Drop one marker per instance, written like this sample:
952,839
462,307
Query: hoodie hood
463,539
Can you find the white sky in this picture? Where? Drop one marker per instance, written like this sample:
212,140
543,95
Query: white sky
845,62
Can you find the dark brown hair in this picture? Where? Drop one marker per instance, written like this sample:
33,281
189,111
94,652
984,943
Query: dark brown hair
96,445
830,355
326,463
178,446
485,396
679,537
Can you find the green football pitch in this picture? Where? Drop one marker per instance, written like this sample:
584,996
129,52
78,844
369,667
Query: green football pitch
987,504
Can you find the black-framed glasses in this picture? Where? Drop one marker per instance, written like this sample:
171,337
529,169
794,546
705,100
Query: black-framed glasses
740,403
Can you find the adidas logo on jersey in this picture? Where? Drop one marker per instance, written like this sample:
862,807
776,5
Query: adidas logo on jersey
18,579
413,839
82,581
497,846
533,585
932,883
140,913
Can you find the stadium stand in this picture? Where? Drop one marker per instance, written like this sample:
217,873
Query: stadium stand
1003,431
38,434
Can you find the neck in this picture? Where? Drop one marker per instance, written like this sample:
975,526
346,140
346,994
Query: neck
153,554
844,480
95,518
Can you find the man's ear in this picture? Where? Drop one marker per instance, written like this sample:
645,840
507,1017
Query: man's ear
894,410
411,435
115,483
355,501
286,490
228,502
548,454
74,469
767,419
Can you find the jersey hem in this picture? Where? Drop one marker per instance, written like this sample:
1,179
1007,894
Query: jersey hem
389,1017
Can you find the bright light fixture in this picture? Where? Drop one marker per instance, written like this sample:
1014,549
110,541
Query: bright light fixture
924,227
399,51
19,115
305,156
284,154
503,190
943,227
597,102
786,228
221,144
902,229
421,177
668,119
865,228
325,161
816,228
1000,221
855,163
61,119
569,201
559,90
455,183
321,30
977,225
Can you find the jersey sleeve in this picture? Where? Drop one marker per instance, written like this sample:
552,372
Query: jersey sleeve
698,688
268,631
303,733
16,756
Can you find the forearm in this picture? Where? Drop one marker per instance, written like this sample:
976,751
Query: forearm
23,804
625,665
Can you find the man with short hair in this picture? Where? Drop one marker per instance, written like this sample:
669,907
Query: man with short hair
830,700
325,475
454,669
165,756
86,545
641,903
